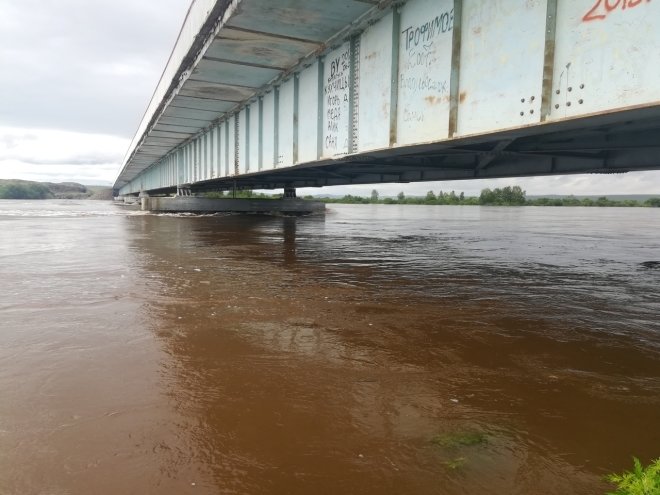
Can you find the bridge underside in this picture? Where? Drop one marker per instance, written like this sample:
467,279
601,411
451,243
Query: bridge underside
587,146
266,94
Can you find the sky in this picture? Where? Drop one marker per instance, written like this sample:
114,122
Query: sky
77,76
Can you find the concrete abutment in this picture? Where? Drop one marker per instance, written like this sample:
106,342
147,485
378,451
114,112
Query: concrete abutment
192,204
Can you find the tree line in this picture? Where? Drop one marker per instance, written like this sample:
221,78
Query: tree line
505,196
24,190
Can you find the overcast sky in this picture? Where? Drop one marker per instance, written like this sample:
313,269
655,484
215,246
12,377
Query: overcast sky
77,76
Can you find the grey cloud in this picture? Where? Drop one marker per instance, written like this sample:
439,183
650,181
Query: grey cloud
75,161
10,141
57,56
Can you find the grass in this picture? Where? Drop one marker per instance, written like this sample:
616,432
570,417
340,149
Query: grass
455,440
460,439
640,481
455,463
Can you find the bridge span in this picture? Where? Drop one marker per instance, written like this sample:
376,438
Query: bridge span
297,93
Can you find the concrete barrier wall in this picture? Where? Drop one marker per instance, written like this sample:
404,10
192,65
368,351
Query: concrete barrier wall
205,205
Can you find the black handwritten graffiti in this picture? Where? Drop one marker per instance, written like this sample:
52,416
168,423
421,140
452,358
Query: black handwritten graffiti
336,92
336,84
339,66
427,32
423,83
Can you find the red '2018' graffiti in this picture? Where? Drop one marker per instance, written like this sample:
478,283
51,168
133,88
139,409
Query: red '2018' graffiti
603,7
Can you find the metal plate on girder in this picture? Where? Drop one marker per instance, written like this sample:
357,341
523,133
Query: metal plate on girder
606,56
176,128
308,114
255,136
215,152
312,20
425,45
210,162
195,160
193,123
268,132
180,136
232,73
232,163
502,50
202,104
336,101
190,113
223,92
258,48
285,125
222,147
205,159
243,141
375,86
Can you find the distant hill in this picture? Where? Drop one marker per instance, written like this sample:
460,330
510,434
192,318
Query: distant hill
26,189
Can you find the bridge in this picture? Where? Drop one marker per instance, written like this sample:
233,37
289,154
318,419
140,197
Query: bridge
297,93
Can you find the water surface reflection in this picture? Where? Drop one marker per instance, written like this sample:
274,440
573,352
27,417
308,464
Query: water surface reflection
325,354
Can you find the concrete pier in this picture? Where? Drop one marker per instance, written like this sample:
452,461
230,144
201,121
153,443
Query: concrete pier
192,204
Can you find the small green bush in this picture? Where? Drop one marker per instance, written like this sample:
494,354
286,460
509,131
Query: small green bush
640,481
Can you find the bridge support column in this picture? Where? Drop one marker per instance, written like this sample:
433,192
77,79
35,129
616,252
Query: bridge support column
183,191
289,192
144,201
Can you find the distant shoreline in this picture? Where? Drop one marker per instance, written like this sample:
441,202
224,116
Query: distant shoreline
506,196
27,189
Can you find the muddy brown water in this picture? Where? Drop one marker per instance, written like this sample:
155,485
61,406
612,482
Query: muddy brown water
377,350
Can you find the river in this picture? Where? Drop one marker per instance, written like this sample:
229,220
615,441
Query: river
379,349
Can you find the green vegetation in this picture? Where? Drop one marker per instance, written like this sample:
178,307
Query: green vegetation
640,481
460,439
456,442
25,189
602,201
506,196
15,189
431,198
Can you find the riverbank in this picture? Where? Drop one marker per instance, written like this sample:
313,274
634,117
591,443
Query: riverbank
27,189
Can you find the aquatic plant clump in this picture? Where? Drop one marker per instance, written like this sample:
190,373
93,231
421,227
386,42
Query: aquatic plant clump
640,481
460,439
